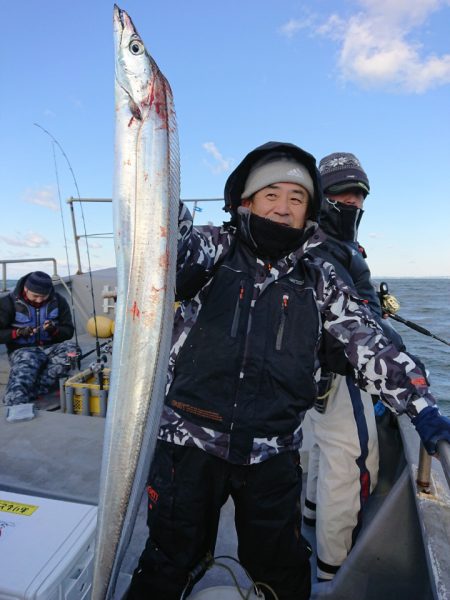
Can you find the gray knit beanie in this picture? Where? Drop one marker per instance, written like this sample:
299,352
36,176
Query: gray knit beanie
276,168
342,171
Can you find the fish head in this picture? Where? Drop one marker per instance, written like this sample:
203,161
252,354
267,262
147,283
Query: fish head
135,69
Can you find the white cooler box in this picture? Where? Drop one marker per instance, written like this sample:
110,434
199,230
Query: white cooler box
46,548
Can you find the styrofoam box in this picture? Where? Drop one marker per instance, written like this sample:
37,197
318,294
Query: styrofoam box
46,548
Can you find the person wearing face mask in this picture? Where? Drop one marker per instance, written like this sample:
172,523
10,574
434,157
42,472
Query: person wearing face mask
256,307
343,460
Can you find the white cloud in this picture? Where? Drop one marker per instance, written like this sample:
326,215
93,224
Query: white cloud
376,236
222,164
377,48
28,240
45,197
290,28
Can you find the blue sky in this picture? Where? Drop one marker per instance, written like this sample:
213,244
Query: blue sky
370,77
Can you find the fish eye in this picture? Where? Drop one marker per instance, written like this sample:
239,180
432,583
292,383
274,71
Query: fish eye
136,47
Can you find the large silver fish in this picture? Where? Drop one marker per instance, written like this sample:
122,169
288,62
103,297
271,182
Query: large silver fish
145,201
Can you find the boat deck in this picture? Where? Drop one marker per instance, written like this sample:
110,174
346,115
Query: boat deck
404,537
58,455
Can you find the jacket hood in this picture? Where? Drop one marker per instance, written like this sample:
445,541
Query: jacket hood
236,181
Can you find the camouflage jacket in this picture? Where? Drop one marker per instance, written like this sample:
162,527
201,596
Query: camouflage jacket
244,364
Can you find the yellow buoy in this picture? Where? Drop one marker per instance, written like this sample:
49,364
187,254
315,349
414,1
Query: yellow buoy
112,327
104,325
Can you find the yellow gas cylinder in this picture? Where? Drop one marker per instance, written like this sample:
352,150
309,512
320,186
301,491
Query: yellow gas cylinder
104,325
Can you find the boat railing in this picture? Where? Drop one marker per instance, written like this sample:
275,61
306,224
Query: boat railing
4,264
55,275
444,457
77,237
424,467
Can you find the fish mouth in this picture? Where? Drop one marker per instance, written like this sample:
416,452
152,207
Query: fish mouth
119,17
123,20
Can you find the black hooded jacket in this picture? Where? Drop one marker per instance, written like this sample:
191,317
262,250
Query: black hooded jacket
342,249
244,360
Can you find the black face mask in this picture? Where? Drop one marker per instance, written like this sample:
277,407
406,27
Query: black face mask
267,238
340,220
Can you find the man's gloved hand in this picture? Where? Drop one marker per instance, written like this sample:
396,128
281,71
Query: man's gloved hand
49,326
24,332
432,427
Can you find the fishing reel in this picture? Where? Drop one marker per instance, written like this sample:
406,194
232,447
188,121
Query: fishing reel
73,359
107,348
389,303
98,365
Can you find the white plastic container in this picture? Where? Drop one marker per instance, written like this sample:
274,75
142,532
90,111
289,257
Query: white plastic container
46,548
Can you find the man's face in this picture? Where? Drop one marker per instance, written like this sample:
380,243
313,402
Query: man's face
349,197
36,298
284,203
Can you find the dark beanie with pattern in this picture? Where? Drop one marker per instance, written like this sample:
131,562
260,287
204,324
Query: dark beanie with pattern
342,171
39,282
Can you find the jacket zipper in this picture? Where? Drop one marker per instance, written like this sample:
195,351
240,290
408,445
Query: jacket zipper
38,332
284,308
238,309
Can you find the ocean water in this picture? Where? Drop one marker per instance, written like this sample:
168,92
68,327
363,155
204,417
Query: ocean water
426,302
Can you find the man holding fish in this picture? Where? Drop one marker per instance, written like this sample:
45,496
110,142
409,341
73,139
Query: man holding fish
259,313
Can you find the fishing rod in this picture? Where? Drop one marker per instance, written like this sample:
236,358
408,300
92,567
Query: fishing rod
97,341
390,306
106,346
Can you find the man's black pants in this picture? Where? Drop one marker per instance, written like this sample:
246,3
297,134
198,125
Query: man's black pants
187,488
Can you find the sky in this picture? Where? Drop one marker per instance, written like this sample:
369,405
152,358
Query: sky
371,77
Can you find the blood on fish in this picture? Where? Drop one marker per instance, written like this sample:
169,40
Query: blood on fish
158,98
135,311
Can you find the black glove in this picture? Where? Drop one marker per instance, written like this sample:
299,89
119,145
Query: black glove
24,332
50,327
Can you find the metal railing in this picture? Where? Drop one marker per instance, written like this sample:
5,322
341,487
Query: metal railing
4,263
424,468
77,236
444,457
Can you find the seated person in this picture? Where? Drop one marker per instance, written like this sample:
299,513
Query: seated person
35,325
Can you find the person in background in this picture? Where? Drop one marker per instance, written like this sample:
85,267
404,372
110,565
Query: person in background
343,459
255,307
36,326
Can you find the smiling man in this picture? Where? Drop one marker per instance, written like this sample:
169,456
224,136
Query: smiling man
280,189
255,306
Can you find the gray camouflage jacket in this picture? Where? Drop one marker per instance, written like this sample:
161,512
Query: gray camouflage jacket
247,405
